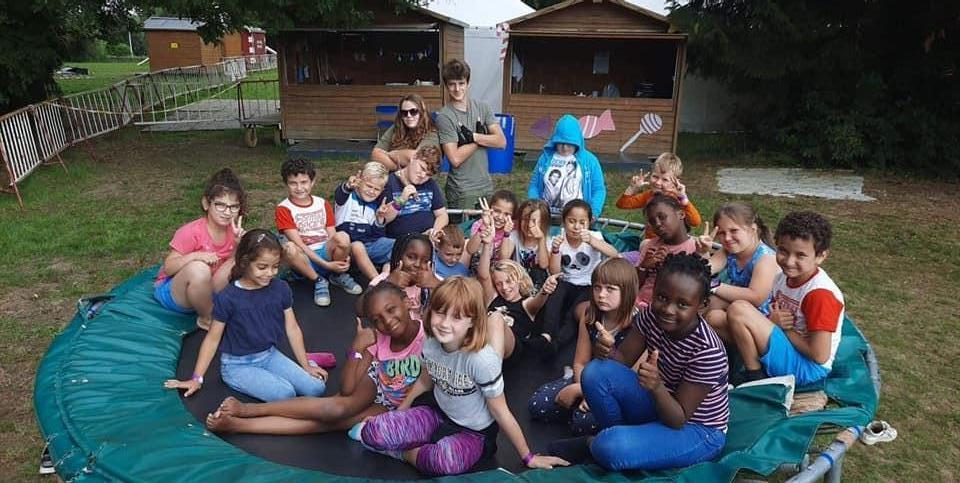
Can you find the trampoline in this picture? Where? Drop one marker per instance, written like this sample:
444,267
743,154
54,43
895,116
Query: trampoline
103,411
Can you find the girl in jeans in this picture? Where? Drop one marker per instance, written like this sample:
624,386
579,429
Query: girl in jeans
669,410
249,316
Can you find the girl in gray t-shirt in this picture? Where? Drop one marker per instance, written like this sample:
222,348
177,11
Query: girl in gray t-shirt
464,373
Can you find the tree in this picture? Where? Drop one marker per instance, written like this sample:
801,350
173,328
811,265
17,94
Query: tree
845,82
36,37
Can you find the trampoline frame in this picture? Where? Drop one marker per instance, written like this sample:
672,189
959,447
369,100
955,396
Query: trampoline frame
74,462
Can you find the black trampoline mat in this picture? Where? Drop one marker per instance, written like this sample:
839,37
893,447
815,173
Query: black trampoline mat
331,329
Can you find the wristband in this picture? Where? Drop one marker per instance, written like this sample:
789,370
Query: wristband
714,284
555,252
396,205
352,354
197,378
683,199
528,458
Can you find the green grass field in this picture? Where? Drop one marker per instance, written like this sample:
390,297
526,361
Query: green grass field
896,259
102,74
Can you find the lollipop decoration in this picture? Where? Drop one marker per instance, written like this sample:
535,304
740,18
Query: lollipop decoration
649,124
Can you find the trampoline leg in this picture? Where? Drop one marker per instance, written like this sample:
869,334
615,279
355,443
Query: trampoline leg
835,472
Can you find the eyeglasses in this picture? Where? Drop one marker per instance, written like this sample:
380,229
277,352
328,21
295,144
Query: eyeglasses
223,207
410,112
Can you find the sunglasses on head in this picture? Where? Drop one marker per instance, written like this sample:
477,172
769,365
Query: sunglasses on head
410,112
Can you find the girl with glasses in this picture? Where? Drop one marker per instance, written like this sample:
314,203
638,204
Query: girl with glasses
200,260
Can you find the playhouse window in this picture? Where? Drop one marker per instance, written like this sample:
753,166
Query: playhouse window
384,57
600,67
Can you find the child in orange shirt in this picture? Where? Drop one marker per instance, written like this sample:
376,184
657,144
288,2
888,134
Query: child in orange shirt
664,179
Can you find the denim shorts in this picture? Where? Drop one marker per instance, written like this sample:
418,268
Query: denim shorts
161,292
783,358
379,250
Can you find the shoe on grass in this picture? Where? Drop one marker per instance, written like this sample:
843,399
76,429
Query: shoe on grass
347,283
878,432
321,292
46,462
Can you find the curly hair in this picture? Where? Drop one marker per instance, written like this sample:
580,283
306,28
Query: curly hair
430,156
806,225
401,246
690,265
404,137
385,286
295,166
225,182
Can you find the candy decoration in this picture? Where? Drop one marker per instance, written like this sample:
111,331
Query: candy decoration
649,124
542,128
591,126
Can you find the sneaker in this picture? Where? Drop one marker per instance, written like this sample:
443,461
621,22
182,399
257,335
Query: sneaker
878,432
46,462
321,292
347,283
355,431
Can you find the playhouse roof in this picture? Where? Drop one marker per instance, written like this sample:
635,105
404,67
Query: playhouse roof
487,13
629,5
183,25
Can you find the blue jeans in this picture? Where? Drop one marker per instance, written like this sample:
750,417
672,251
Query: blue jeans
633,438
268,376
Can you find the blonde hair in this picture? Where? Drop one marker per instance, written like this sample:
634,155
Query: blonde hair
374,170
618,272
464,297
669,163
453,236
516,273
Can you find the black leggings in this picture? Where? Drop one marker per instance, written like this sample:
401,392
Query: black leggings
559,318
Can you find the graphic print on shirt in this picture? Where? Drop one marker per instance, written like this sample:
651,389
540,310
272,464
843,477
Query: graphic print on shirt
396,375
311,222
450,382
573,265
422,201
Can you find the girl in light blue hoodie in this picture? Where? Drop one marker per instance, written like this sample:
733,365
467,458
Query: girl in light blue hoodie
566,170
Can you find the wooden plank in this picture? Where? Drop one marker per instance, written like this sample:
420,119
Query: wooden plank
602,17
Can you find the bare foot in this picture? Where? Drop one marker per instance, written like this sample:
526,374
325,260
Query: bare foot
233,407
220,422
203,322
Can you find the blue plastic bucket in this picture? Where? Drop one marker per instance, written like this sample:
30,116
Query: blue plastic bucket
500,161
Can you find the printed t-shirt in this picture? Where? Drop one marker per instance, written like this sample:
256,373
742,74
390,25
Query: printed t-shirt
416,215
816,304
463,381
397,371
311,221
578,263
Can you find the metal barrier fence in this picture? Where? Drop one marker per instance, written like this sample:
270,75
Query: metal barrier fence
258,62
36,134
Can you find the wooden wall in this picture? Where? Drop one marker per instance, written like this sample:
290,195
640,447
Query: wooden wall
164,57
233,44
588,16
451,40
191,49
342,112
529,108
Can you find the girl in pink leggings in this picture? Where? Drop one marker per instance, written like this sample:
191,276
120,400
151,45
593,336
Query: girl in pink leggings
464,372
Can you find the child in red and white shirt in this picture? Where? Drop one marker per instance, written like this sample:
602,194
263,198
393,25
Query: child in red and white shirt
802,333
311,245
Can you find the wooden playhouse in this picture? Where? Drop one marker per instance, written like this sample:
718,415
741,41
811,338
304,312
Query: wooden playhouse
583,57
332,80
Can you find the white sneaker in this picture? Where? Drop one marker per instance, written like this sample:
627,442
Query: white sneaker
878,432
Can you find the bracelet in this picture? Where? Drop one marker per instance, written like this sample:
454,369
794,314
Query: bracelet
198,378
352,354
397,206
555,252
683,199
528,458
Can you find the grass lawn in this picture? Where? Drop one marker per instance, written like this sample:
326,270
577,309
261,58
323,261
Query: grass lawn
897,261
102,74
